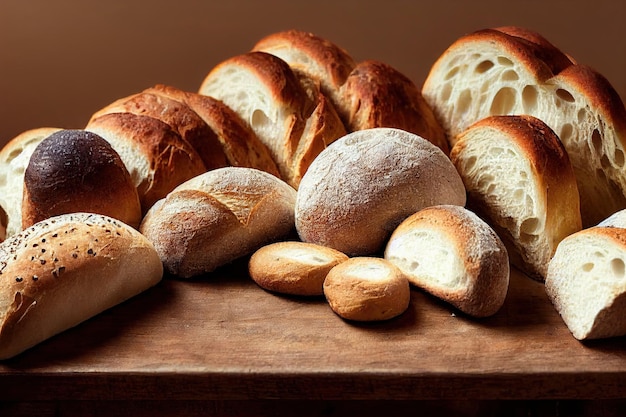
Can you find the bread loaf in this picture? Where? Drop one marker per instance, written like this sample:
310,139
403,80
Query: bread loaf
449,252
519,178
218,217
285,110
14,158
293,267
367,289
78,171
513,71
585,282
362,186
63,271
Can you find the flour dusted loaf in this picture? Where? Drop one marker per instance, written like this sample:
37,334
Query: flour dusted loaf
73,170
454,255
218,217
519,178
66,269
293,267
367,289
514,71
14,158
362,186
586,282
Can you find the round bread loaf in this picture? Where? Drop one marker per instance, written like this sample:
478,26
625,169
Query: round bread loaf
454,255
362,186
66,269
75,170
367,289
293,267
217,217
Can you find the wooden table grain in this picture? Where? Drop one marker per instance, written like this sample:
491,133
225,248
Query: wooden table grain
221,337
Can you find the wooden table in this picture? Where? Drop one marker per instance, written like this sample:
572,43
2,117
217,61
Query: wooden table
221,339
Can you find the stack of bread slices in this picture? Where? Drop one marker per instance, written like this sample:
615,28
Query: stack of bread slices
337,178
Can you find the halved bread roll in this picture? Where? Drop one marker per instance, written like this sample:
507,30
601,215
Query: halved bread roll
451,253
519,178
217,217
513,71
586,282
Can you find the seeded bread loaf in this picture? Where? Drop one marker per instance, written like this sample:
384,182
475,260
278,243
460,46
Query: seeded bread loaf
66,269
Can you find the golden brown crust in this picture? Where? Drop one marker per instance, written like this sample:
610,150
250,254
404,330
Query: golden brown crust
78,171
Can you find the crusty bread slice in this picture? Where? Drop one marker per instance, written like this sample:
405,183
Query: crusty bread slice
512,71
586,282
519,177
293,120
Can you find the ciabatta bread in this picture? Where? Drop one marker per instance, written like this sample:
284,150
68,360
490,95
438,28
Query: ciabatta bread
14,158
519,178
513,71
156,156
454,255
586,282
293,267
218,217
367,289
363,185
73,170
63,271
285,110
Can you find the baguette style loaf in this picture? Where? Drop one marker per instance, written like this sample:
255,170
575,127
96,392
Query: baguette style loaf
513,71
585,282
451,253
218,217
519,178
14,158
74,170
65,270
363,185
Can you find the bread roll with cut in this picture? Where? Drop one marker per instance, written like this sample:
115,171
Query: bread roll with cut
65,270
217,217
451,253
74,170
519,178
14,158
585,282
293,267
367,289
362,186
513,71
285,110
617,219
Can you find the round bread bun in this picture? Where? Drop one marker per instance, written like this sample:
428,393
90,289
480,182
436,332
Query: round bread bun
367,289
451,253
357,191
292,267
78,171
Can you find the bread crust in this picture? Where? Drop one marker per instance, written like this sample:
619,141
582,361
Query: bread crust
52,275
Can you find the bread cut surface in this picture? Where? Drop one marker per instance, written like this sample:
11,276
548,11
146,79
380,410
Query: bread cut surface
519,177
218,217
362,186
454,255
63,271
586,282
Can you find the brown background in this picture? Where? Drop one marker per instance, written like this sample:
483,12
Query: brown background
62,60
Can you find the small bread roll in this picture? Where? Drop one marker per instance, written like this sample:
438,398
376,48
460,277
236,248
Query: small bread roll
217,217
586,282
14,158
65,270
75,170
362,186
451,253
293,267
367,289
